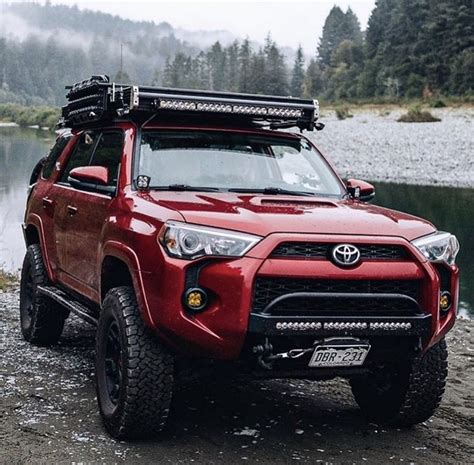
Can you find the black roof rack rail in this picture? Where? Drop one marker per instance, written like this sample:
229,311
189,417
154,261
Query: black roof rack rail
97,100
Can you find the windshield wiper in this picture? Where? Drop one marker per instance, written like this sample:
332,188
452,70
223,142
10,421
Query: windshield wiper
270,191
185,187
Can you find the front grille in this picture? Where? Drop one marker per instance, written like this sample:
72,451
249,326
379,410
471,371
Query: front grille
315,250
267,290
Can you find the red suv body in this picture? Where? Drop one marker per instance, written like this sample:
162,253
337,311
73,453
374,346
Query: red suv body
85,234
313,282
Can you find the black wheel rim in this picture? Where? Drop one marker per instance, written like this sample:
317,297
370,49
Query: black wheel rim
113,363
28,301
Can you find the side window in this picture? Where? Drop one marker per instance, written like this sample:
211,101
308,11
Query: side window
82,153
108,154
54,155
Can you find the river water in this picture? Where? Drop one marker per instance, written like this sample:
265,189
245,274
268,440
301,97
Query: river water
450,209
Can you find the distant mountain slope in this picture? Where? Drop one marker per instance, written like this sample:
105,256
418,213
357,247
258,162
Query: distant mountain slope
50,18
44,46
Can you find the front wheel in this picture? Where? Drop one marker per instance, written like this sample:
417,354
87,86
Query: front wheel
404,394
134,372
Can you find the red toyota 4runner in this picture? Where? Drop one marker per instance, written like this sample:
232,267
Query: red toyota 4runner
186,225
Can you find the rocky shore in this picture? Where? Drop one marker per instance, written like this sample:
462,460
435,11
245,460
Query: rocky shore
48,413
373,146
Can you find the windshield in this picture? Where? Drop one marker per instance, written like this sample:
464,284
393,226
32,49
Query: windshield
234,161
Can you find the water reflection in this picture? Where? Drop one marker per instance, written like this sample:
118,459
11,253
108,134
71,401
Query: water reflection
20,149
449,209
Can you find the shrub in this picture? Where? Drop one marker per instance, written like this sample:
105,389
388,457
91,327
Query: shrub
438,103
343,112
417,115
44,117
6,280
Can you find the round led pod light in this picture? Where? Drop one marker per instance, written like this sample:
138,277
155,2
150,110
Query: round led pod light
445,301
195,299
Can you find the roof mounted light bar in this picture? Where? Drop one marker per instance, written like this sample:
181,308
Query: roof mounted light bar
97,99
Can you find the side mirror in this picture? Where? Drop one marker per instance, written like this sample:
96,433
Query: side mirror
360,190
91,178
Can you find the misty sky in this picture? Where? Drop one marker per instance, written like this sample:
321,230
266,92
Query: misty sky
290,23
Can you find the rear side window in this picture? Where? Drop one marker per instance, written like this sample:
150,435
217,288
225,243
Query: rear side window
54,155
82,153
108,154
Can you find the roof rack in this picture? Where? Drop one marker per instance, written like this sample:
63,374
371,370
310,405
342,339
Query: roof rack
96,100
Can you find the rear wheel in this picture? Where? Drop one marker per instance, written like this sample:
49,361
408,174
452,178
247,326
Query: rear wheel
41,318
134,372
403,395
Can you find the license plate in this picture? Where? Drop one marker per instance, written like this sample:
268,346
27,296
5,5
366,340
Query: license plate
337,355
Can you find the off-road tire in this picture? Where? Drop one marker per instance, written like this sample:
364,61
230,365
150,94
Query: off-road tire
144,385
41,318
403,395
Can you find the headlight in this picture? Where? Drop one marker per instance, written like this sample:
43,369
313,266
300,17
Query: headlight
439,247
188,241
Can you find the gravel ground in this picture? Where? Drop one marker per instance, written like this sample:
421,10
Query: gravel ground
374,146
48,413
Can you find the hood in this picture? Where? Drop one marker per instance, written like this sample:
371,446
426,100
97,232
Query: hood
266,214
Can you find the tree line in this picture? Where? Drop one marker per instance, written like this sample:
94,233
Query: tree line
411,49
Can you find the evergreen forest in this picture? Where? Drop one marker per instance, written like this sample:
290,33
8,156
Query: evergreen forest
410,49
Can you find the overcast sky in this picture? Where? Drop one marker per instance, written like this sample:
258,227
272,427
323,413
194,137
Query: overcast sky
290,23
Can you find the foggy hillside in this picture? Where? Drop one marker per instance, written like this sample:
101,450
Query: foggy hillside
76,26
64,43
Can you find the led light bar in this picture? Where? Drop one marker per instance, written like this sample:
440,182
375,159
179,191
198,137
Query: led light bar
342,326
186,105
298,326
390,326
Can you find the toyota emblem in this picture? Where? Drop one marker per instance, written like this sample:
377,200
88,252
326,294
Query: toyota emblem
346,254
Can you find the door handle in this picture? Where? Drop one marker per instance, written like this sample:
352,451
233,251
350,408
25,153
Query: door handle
71,210
47,202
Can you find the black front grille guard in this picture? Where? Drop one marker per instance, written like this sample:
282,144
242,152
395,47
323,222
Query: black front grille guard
339,295
264,323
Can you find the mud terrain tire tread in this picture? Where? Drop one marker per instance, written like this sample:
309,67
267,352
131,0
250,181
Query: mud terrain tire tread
146,389
47,316
417,395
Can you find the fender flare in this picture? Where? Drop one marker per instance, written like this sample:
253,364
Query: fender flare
35,221
127,255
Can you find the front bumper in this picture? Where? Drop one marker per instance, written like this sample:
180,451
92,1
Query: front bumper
222,329
268,325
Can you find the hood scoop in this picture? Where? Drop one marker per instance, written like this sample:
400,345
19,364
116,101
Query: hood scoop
298,203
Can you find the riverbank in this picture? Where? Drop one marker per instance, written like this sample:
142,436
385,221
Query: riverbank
41,117
374,146
49,413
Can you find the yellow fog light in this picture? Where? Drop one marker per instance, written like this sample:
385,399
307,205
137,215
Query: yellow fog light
445,301
195,299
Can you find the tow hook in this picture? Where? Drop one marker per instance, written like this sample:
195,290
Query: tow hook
266,357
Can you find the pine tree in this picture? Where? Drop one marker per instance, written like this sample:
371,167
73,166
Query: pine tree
276,74
313,80
331,36
297,77
257,76
217,60
233,67
245,63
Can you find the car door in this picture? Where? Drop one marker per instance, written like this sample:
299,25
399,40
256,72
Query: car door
86,214
63,195
45,195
